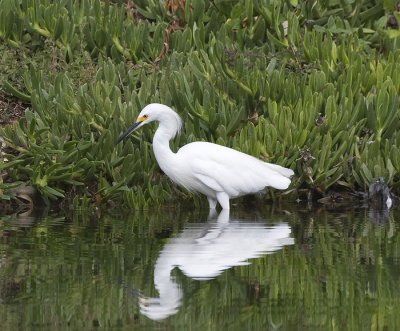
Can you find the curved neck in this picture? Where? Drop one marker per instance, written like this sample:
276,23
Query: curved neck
170,293
162,151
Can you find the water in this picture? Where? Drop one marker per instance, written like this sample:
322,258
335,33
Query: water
275,268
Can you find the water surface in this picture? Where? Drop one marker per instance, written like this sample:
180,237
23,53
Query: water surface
275,268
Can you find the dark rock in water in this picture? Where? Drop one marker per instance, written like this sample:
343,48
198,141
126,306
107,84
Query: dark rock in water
378,216
379,194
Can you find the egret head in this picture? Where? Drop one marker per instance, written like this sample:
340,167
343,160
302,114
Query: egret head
154,112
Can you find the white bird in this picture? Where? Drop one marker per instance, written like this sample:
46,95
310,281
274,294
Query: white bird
218,172
203,251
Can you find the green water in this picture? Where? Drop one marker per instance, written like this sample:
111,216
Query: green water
275,268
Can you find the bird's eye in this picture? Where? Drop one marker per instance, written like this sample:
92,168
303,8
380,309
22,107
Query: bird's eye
142,118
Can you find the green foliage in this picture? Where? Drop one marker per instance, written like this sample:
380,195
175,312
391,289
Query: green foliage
269,78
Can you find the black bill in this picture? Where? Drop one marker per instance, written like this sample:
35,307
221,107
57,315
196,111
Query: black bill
128,132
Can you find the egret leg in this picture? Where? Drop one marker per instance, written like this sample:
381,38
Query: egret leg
223,217
212,214
223,200
212,202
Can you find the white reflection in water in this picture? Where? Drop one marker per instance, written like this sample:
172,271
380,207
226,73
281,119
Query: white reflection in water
203,251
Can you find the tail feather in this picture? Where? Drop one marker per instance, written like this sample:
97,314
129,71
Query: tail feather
279,169
279,177
279,183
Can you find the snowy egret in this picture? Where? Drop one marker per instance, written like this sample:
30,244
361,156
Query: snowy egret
203,251
218,172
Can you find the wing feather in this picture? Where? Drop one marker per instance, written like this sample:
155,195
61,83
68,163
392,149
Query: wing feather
224,169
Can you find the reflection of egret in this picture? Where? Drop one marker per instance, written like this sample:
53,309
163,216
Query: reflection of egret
205,250
219,172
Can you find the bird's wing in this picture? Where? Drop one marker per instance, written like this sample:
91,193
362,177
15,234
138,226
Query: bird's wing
226,176
209,182
225,169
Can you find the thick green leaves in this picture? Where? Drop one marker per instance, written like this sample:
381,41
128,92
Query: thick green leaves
270,78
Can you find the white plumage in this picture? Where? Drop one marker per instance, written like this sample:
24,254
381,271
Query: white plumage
203,251
219,172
